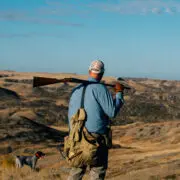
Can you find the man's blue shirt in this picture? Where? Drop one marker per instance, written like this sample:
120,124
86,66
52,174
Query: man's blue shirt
98,103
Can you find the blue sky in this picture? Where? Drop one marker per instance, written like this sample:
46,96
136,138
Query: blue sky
134,38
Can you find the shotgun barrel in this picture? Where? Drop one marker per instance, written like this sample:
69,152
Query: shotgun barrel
43,81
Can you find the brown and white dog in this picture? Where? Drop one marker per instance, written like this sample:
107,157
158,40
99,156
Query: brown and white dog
31,161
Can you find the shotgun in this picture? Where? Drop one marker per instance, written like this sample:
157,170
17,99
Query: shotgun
42,81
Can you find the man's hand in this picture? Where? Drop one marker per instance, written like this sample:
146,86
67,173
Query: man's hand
118,87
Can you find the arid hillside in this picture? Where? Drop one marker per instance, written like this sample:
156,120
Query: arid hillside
148,101
146,134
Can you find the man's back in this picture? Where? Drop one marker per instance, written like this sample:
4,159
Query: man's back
98,103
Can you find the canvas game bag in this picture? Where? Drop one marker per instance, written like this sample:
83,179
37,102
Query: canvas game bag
80,150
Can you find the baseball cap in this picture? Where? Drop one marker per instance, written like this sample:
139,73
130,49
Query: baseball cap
97,67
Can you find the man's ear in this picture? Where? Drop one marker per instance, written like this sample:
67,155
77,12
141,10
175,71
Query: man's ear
100,76
89,72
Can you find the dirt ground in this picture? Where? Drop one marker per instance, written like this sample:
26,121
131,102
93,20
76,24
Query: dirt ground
131,158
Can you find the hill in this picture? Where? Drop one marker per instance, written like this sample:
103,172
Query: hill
148,101
146,135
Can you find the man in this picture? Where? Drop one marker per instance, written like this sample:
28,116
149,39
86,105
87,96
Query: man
99,106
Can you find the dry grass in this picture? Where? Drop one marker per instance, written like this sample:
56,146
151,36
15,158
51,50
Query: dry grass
28,174
44,169
131,159
61,128
8,162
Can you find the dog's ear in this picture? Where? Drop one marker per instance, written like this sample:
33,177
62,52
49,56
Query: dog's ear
43,154
40,154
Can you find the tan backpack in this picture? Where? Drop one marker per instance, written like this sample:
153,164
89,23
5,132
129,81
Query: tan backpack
80,148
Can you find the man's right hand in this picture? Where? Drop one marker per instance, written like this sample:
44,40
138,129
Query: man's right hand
118,87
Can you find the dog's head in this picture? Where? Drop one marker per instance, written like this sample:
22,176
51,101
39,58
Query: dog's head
40,154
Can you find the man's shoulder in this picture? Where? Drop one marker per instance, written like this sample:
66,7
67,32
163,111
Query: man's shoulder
93,86
98,87
79,86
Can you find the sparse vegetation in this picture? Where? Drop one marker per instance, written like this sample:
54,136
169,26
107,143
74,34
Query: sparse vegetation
145,145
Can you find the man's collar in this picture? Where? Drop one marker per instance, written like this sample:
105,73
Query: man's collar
92,79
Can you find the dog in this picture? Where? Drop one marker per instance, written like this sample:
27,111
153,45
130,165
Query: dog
31,161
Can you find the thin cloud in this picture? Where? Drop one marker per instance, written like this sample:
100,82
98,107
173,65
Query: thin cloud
139,7
28,35
13,35
54,3
59,8
24,17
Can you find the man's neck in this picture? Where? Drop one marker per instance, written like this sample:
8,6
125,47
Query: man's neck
92,79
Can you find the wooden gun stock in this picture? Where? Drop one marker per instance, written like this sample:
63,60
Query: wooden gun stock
42,81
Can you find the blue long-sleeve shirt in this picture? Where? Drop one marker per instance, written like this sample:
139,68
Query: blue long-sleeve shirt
98,103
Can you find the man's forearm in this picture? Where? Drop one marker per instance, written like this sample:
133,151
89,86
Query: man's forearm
119,101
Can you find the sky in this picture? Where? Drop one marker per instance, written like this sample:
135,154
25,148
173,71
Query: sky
134,38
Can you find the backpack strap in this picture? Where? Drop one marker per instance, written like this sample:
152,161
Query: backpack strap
83,94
